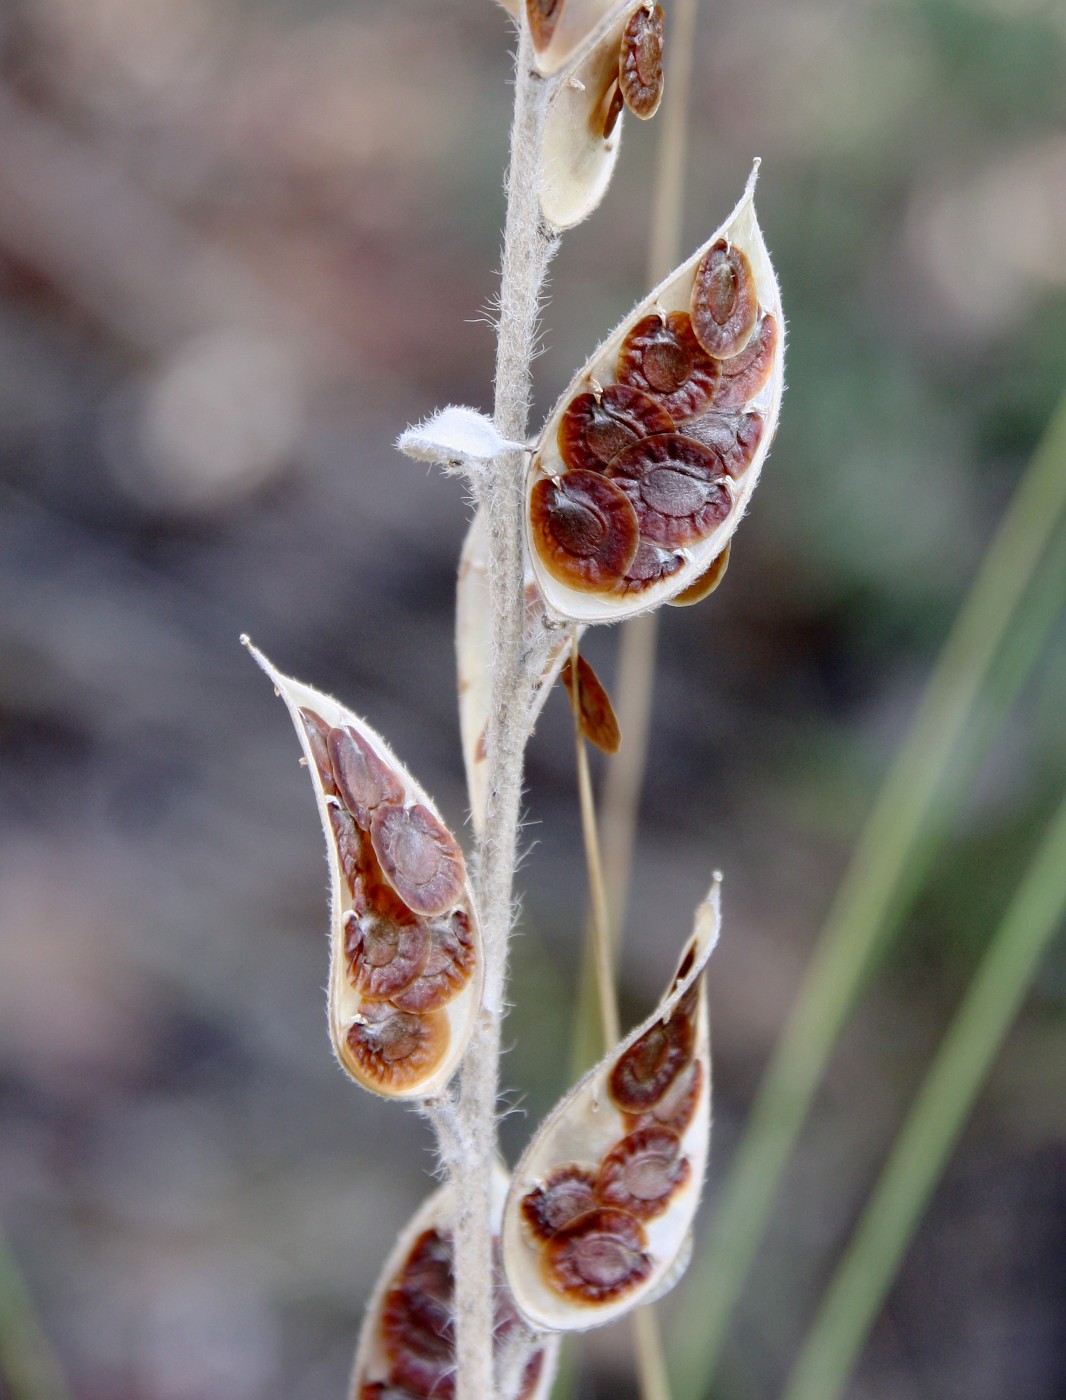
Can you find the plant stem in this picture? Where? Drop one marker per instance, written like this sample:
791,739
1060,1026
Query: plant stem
470,1149
873,891
925,1143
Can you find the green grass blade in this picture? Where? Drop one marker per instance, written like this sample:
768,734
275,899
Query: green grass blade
27,1363
875,888
925,1143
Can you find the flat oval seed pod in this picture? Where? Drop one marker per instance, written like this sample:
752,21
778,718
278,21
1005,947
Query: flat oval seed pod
724,304
640,61
599,724
406,1347
405,982
705,584
659,362
571,1269
596,427
584,529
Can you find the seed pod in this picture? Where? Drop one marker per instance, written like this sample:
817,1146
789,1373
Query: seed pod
601,1206
723,393
406,968
406,1347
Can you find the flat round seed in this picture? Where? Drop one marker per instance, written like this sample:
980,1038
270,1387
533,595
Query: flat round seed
745,374
598,1256
395,1048
677,1107
449,965
384,957
599,723
363,780
642,1173
673,483
649,1067
650,565
350,849
543,16
707,582
723,304
584,529
318,737
663,358
418,856
640,62
594,429
733,436
568,1193
418,1331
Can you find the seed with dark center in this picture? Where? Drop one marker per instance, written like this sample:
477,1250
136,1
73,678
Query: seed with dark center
640,62
594,429
384,957
675,487
448,968
397,1049
677,1107
745,374
597,1257
584,530
569,1192
642,1173
663,358
418,856
650,566
723,304
363,780
648,1068
735,438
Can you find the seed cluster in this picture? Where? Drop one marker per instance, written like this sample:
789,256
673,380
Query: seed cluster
408,944
588,1221
417,1328
653,461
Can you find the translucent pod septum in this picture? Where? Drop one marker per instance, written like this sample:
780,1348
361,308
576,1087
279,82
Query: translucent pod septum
406,966
600,1211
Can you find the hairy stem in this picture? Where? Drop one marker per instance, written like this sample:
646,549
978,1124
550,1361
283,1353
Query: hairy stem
471,1149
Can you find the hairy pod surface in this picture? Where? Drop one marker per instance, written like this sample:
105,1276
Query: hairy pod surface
406,1347
676,411
406,966
599,1215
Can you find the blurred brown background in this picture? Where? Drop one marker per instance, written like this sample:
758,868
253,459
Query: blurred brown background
242,244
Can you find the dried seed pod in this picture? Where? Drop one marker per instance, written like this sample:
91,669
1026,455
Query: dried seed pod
599,724
675,486
596,427
584,529
571,1269
705,585
406,1347
656,350
406,968
640,61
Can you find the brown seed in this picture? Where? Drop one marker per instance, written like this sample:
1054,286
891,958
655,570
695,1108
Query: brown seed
416,1319
723,305
663,358
642,1172
745,374
350,848
363,780
383,1390
584,529
543,16
594,429
448,967
650,566
677,1107
648,1068
418,856
598,1256
395,1048
599,724
384,957
707,582
640,62
611,106
735,437
318,737
569,1192
673,483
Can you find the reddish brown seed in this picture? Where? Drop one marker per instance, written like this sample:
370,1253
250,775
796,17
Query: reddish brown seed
735,437
418,856
745,374
598,1256
640,62
643,1172
594,429
448,967
649,1067
383,1390
673,483
611,106
363,780
318,738
396,1048
707,582
543,16
723,304
569,1192
650,565
384,957
416,1319
584,529
350,848
663,358
677,1107
599,724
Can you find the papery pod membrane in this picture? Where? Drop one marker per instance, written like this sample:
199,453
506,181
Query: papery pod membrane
582,132
406,1347
406,963
473,646
561,29
599,1216
647,463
